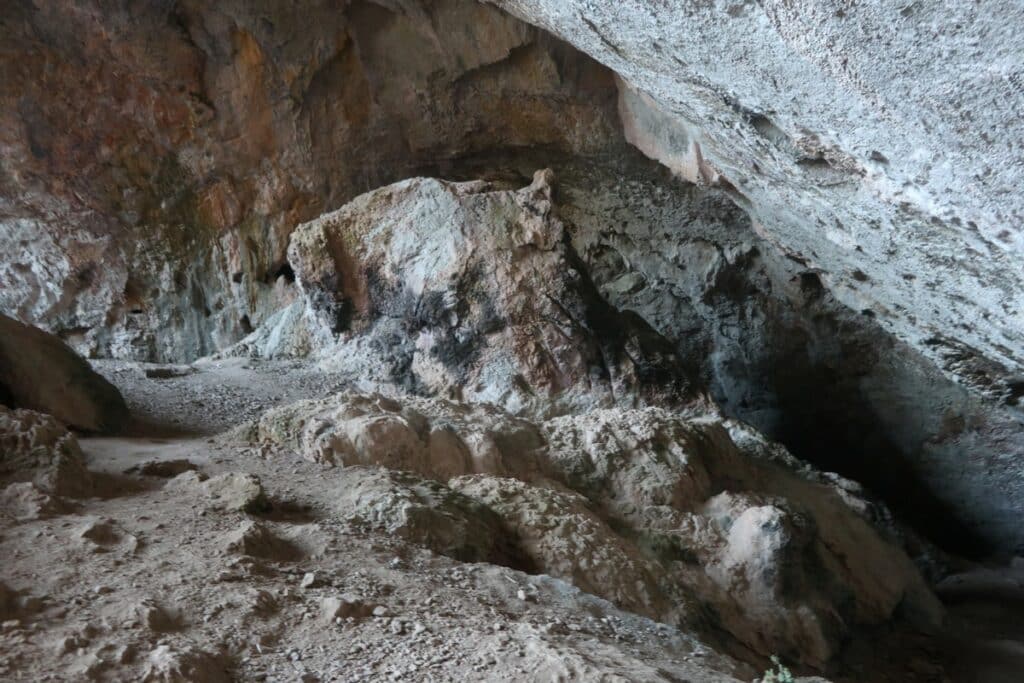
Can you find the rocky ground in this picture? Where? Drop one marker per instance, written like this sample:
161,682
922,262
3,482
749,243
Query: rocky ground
204,555
160,579
656,367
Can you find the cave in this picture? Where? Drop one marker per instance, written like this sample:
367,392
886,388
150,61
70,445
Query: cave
541,340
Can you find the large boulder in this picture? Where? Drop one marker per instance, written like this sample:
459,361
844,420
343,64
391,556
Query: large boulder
471,291
40,372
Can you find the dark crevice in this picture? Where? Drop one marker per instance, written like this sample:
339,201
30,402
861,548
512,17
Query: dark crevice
284,270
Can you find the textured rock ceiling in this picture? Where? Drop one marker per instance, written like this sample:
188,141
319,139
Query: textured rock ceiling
879,142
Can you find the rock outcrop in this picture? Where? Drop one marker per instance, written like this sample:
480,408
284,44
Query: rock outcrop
149,215
780,220
777,349
39,372
428,513
661,513
430,437
36,448
472,291
157,157
759,331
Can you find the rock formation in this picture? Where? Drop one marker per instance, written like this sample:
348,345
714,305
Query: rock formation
468,291
150,218
39,372
825,121
632,341
36,448
718,311
661,514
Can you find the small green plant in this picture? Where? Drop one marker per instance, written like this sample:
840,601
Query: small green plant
778,673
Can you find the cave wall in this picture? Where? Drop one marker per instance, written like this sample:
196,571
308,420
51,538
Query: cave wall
838,266
777,349
156,156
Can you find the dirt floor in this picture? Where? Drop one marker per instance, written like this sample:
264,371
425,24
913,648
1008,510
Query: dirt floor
163,578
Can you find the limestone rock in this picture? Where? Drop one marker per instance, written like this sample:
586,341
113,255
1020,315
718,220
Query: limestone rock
255,539
39,372
25,501
628,462
167,664
476,294
162,236
189,481
236,492
229,491
159,229
152,616
427,513
658,511
285,334
820,118
344,607
36,448
786,557
560,536
434,438
769,337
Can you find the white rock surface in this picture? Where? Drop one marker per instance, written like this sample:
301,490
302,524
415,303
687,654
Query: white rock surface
876,142
425,512
431,437
471,291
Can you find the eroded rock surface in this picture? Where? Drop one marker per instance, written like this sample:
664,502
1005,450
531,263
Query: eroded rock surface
661,513
760,331
431,437
36,448
471,291
870,254
147,215
823,121
768,336
428,513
